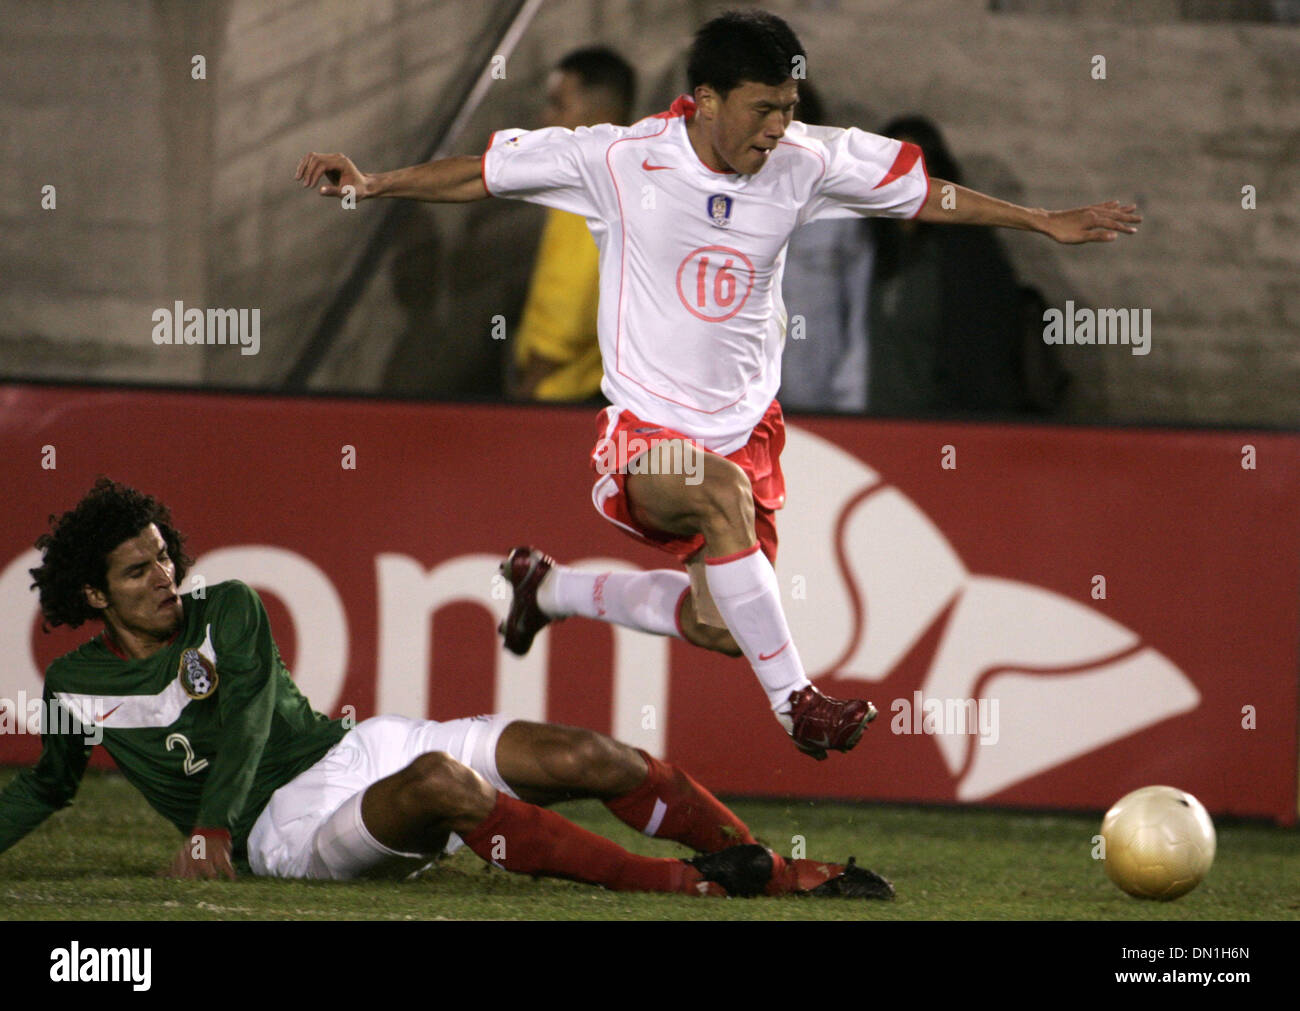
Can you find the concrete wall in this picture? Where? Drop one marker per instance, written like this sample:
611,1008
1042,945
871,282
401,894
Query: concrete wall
82,111
1188,114
172,188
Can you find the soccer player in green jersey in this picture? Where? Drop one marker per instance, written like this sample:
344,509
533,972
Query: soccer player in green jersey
188,694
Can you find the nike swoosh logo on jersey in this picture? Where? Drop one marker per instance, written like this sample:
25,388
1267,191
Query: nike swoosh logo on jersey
111,712
653,168
770,655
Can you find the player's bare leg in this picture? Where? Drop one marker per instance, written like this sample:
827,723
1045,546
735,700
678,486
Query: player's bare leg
411,813
742,584
730,574
416,809
710,637
545,764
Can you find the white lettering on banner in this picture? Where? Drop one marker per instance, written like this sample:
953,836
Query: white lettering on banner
1057,668
320,622
906,575
21,672
409,595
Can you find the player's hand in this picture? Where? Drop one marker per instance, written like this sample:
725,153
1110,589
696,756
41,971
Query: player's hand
337,171
1098,223
205,854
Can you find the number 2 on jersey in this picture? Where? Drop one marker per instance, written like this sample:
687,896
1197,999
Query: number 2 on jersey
192,765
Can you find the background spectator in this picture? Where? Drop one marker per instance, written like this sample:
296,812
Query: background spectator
827,277
948,333
556,356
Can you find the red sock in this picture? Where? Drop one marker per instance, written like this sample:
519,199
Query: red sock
671,805
793,876
526,839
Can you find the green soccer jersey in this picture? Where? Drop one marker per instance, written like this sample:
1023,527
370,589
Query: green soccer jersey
207,728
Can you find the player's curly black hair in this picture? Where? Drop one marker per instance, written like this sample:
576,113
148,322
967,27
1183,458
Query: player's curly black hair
740,46
75,551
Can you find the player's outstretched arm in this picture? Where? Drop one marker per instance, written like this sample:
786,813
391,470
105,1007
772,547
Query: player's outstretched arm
444,180
1096,223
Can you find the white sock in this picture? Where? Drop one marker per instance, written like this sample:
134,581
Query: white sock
642,600
749,600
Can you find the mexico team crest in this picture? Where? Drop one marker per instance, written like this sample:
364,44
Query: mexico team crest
198,674
720,209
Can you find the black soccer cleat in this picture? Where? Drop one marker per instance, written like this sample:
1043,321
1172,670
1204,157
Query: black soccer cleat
855,883
743,871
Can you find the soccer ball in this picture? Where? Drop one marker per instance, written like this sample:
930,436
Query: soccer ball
1159,842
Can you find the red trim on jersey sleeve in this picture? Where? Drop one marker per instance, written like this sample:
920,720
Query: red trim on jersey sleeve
925,172
732,557
482,162
907,157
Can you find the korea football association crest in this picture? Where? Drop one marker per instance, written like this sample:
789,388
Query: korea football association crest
720,209
198,674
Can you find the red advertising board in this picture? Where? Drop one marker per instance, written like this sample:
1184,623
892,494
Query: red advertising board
1045,616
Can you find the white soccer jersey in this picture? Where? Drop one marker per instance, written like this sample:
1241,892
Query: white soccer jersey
691,321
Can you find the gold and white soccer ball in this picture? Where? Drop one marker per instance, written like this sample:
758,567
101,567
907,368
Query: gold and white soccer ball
1159,842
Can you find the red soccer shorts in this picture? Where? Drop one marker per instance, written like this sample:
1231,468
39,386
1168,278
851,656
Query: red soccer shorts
621,437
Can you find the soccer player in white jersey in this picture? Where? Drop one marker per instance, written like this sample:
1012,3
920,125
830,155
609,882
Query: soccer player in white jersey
692,210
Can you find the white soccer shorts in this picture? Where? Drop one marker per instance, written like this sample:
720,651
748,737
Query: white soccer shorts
283,840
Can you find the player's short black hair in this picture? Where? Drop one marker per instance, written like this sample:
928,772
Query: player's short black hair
75,551
603,68
741,46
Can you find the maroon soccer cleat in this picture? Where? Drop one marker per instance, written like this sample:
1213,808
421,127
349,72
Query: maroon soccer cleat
818,722
524,568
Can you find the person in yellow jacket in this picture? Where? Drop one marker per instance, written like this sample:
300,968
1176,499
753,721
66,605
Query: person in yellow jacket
556,356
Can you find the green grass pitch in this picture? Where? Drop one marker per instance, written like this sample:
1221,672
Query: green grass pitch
97,860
